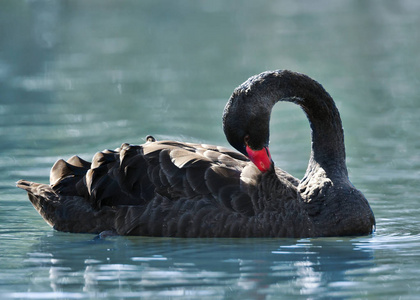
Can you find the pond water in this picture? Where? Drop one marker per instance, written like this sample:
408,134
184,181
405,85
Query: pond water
77,77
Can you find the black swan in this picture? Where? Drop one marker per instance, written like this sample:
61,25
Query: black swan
174,189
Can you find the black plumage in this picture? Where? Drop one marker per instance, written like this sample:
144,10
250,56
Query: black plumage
169,188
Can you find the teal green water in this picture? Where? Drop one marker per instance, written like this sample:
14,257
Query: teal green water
77,77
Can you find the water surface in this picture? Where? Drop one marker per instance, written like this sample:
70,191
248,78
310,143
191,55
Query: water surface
77,77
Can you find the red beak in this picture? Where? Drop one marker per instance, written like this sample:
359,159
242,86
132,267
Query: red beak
261,158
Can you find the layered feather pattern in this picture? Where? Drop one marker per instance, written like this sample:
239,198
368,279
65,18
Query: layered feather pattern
162,188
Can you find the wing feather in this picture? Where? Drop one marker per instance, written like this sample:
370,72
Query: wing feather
158,188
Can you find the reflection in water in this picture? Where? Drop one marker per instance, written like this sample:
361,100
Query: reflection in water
165,267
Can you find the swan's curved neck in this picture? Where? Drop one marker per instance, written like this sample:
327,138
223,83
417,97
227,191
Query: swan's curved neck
327,149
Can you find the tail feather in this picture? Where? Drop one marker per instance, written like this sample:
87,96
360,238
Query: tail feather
67,213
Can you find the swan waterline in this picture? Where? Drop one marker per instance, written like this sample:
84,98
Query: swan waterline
175,189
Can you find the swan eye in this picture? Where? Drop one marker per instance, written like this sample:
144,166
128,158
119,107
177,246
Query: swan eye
246,139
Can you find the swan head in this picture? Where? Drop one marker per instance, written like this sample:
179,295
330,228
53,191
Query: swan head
246,120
